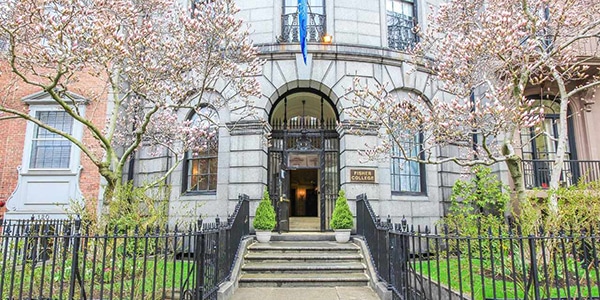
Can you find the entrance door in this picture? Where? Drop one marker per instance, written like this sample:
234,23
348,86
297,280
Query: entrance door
304,200
304,158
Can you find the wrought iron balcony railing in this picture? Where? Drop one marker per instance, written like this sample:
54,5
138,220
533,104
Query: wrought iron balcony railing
537,173
315,28
401,31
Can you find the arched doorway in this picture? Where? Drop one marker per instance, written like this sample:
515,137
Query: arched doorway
304,159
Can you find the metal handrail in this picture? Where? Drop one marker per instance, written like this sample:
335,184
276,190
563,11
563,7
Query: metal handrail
537,172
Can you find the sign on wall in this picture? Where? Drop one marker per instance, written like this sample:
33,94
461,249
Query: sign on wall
303,160
362,175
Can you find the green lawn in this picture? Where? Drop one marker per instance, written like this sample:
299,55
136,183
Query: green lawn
129,279
468,278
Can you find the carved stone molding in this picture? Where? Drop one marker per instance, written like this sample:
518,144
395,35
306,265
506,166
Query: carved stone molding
357,127
587,104
248,127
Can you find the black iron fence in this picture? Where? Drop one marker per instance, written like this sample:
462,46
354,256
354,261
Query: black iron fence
375,234
63,259
537,173
499,263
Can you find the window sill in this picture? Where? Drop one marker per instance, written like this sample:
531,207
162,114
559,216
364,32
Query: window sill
49,172
194,196
410,196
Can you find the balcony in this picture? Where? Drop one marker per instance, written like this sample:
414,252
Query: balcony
401,33
588,47
536,173
315,28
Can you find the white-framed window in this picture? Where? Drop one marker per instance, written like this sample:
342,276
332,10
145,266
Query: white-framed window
201,167
407,176
45,150
50,150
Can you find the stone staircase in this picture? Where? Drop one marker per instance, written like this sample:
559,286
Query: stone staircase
303,261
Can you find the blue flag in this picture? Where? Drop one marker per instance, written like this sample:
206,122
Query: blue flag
302,25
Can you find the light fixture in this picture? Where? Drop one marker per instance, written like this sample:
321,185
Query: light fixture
301,193
327,39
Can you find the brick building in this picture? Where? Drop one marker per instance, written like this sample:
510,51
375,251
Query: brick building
38,182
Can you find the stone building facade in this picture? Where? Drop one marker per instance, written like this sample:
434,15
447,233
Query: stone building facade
312,151
304,146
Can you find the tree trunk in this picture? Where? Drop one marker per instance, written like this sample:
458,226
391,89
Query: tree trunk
557,165
514,165
113,182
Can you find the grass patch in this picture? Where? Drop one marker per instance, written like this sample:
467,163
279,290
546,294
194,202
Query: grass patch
466,275
123,278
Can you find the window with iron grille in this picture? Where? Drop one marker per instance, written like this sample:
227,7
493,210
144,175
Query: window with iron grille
401,22
407,176
202,166
49,150
197,5
540,144
316,21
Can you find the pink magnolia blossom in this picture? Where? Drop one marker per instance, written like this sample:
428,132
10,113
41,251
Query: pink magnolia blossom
155,58
493,50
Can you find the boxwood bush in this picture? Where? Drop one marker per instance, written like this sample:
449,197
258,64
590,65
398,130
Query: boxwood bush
265,214
342,216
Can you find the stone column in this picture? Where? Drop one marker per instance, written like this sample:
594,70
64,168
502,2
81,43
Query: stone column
248,152
355,136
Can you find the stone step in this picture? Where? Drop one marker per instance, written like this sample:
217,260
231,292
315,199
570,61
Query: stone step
297,268
303,280
302,263
302,256
304,246
303,236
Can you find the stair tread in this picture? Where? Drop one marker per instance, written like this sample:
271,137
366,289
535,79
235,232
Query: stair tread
305,277
320,256
302,263
304,246
297,266
303,236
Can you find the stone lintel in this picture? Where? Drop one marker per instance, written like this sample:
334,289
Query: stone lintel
248,127
358,127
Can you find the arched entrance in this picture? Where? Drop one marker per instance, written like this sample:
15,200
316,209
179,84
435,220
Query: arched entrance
304,159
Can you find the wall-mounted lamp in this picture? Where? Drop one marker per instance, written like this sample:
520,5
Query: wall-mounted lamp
327,39
301,193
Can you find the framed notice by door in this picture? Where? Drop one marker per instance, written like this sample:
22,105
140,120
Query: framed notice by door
303,160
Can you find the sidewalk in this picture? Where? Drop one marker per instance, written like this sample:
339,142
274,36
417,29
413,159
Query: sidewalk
308,293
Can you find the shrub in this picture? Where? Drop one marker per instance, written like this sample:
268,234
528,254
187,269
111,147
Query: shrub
342,216
578,209
477,203
265,214
142,207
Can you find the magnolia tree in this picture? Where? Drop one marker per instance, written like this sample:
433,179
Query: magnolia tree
155,58
486,54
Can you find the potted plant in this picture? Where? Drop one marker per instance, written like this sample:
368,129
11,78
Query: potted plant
264,219
341,220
